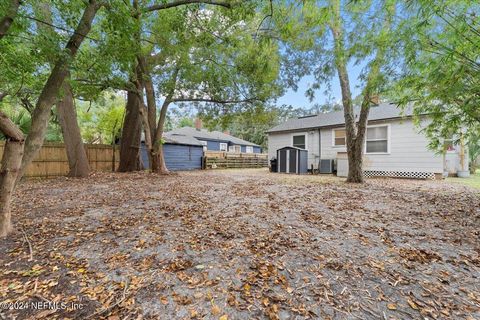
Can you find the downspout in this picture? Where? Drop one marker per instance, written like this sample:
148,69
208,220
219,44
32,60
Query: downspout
319,148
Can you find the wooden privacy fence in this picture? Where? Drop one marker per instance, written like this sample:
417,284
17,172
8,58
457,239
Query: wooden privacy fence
52,159
222,160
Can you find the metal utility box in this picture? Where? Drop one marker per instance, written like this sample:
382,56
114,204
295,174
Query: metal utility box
325,166
292,160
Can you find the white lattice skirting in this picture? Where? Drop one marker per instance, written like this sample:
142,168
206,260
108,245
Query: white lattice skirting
397,174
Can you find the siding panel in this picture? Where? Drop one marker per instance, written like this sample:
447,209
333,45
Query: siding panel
213,145
408,150
280,140
181,157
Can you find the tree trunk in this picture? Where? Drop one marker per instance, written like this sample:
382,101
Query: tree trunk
355,173
158,160
131,135
150,94
142,109
50,91
10,166
355,134
67,117
355,165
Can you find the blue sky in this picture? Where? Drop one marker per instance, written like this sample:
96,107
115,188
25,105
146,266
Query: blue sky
299,100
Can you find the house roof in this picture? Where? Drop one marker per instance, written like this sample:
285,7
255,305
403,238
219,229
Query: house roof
203,134
180,139
336,118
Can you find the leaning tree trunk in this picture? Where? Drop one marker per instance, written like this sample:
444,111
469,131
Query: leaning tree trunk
67,117
158,160
10,166
142,109
355,135
131,135
49,94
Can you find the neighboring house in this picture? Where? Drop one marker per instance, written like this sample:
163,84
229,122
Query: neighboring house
218,141
184,148
393,144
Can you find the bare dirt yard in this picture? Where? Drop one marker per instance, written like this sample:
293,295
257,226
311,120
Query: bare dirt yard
241,245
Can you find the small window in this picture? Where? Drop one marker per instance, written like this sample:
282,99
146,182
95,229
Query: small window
249,149
223,147
231,148
339,137
377,140
299,141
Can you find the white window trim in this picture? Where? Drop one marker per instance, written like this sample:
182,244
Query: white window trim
247,148
301,134
223,144
388,139
333,138
231,148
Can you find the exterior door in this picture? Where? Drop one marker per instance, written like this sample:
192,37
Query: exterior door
282,161
293,161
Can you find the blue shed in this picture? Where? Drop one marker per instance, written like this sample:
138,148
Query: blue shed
180,153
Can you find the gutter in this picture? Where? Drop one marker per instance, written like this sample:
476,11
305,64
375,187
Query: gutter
339,125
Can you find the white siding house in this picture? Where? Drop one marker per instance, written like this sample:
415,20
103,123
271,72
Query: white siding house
394,145
285,139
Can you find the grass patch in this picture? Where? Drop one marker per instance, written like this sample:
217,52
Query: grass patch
473,181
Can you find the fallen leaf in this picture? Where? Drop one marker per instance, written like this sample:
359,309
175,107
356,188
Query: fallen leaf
216,310
412,304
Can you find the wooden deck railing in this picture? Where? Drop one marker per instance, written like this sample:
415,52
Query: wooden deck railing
223,160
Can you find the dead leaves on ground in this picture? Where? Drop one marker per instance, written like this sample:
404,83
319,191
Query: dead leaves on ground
240,245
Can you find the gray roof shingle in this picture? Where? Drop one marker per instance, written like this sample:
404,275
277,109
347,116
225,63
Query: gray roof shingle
180,139
210,135
336,118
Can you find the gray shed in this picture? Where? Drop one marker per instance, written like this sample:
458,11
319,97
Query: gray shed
292,160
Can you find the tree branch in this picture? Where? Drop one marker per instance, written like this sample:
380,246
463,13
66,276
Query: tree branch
178,3
10,129
270,15
186,99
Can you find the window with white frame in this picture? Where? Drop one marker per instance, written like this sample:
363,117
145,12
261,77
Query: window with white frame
204,144
223,146
249,149
299,141
231,148
377,140
339,137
